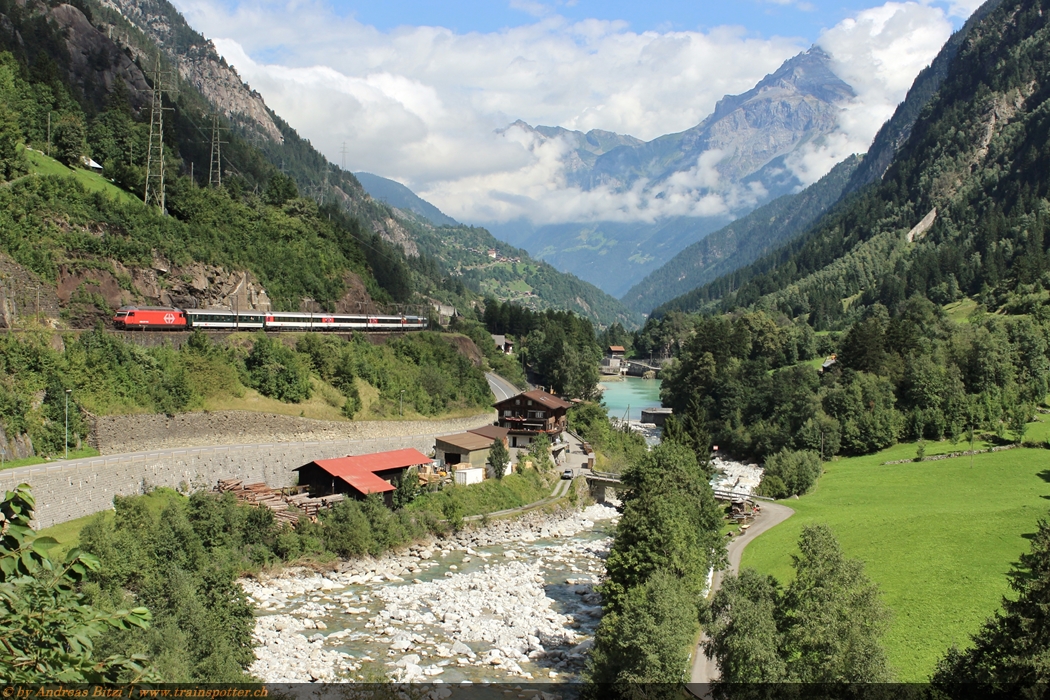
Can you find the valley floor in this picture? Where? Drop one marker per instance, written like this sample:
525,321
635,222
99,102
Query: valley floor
938,537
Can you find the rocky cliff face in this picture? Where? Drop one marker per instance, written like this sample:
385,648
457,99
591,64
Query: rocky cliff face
198,63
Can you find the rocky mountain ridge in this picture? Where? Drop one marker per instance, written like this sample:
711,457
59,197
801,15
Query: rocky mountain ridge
738,153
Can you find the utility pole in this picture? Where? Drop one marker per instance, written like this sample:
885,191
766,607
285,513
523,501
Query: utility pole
215,169
49,133
154,193
401,405
68,392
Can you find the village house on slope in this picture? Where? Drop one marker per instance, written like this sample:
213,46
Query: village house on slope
527,415
361,475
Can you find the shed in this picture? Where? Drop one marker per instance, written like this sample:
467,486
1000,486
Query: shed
492,432
361,475
617,351
464,448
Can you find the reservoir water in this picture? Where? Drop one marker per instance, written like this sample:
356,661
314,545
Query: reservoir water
633,392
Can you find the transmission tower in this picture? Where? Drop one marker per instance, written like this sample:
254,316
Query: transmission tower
155,152
343,150
215,169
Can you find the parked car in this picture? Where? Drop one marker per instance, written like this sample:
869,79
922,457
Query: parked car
567,474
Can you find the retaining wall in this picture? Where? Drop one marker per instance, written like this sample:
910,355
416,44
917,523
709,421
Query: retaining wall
72,489
144,432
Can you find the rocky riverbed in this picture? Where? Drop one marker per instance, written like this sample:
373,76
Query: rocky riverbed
514,600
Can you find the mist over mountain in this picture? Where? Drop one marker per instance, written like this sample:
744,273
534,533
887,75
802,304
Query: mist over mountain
688,184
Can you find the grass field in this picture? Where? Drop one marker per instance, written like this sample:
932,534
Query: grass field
41,164
938,537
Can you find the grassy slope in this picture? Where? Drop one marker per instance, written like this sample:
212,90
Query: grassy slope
938,537
40,164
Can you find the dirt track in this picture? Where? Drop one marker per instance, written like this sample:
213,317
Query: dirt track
704,669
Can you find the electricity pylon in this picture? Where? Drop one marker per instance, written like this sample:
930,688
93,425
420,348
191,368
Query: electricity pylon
154,193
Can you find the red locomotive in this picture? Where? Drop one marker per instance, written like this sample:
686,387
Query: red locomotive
150,317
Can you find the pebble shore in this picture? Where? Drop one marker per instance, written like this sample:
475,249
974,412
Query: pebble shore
522,610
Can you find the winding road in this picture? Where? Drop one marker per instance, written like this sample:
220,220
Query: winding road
705,670
501,388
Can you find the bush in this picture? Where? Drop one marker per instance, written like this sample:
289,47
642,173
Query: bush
278,371
788,473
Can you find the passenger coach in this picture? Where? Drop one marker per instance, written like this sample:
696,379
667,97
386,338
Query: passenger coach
169,318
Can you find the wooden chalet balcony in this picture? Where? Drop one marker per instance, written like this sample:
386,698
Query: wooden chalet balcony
532,425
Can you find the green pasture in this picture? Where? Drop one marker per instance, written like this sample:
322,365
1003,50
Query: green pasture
41,164
938,537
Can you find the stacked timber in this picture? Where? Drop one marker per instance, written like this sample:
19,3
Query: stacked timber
286,507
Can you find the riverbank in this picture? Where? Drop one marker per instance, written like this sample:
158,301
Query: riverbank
512,600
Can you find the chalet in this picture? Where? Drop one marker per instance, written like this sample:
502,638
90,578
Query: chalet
527,415
616,351
503,344
361,475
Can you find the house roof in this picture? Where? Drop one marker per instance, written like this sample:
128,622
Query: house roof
616,348
539,396
360,471
470,442
548,400
492,432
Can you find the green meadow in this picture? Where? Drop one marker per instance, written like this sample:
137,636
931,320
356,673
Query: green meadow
939,537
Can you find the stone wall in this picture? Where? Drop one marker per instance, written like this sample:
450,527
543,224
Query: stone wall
137,433
72,489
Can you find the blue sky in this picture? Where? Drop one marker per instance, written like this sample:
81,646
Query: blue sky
803,18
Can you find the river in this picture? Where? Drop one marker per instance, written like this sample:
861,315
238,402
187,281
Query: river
634,393
512,602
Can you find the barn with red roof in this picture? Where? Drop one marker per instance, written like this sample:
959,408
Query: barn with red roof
361,475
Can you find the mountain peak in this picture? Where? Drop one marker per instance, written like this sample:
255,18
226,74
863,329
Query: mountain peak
808,74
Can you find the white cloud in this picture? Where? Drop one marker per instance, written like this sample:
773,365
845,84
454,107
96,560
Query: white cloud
423,104
878,52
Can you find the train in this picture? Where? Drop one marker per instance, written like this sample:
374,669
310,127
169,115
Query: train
165,318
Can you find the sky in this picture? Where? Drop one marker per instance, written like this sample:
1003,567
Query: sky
421,91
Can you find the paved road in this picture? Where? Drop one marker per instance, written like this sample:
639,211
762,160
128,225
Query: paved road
704,669
501,388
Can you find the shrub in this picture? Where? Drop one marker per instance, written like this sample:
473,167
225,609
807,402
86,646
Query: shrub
788,473
278,371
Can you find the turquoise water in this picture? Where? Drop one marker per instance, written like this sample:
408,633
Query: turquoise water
635,392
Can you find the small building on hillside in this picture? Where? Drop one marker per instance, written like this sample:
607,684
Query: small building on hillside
503,343
616,351
361,475
530,414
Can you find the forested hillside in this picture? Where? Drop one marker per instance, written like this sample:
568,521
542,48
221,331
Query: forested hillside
741,242
976,168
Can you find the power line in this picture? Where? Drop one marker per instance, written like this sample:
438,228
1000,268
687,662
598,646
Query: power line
154,193
215,167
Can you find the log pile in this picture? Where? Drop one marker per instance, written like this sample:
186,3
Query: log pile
286,507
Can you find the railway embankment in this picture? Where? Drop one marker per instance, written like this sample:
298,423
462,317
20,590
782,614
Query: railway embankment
66,490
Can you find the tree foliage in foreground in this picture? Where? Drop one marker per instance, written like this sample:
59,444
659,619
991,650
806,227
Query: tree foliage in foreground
825,627
49,629
666,542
